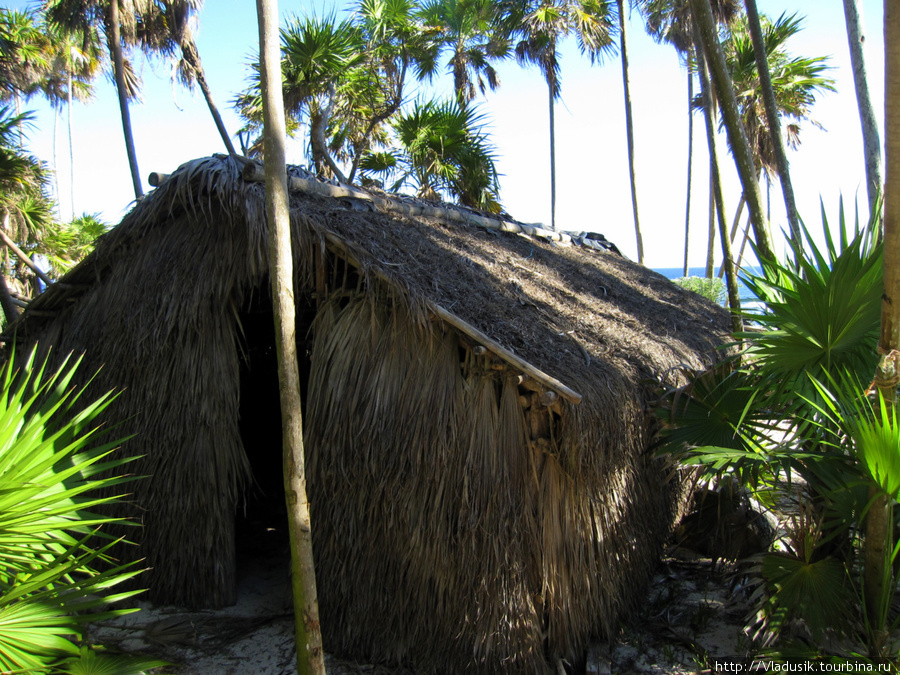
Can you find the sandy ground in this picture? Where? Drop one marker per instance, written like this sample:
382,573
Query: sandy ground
691,614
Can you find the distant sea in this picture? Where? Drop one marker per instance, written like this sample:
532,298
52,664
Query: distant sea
678,272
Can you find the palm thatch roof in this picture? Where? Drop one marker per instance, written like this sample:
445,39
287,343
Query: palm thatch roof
478,437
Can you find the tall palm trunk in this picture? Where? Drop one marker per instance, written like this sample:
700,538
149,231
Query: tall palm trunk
629,130
867,118
765,80
710,268
690,165
307,632
115,50
56,161
877,572
735,224
734,297
709,110
703,18
71,143
192,57
552,89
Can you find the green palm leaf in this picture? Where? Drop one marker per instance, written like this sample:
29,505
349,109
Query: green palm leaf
91,662
822,316
52,542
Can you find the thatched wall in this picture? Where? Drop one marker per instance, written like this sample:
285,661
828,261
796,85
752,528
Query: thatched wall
478,546
463,518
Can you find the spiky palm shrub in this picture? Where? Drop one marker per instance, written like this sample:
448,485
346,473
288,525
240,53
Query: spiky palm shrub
791,404
66,244
56,573
443,148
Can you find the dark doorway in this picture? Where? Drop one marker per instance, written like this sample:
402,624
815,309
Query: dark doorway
261,521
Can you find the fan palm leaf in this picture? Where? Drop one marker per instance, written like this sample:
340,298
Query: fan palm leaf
822,316
52,469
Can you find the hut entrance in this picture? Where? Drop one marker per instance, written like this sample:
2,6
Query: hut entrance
261,522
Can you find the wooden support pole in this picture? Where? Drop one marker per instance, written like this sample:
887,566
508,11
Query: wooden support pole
156,178
307,631
512,359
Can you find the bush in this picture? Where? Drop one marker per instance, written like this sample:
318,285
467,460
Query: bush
794,403
710,288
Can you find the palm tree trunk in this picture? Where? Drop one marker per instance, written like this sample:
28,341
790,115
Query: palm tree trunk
56,162
71,145
551,88
192,57
781,162
629,130
877,571
735,224
711,225
868,120
702,14
115,51
708,112
20,254
392,105
10,311
734,296
687,207
307,632
322,159
736,221
744,238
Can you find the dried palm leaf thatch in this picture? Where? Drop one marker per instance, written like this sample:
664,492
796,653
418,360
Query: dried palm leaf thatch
430,459
460,526
466,519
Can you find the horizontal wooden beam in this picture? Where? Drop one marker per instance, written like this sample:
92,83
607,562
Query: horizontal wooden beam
483,340
551,383
254,172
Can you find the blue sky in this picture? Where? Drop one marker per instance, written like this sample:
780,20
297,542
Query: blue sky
172,126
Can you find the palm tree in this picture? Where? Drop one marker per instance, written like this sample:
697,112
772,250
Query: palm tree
347,78
765,80
878,519
25,211
543,26
67,244
23,55
72,68
629,128
795,83
867,117
717,212
669,21
473,32
118,21
725,94
176,34
319,56
442,148
672,22
394,42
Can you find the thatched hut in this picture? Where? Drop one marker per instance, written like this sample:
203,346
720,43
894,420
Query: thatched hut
483,494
